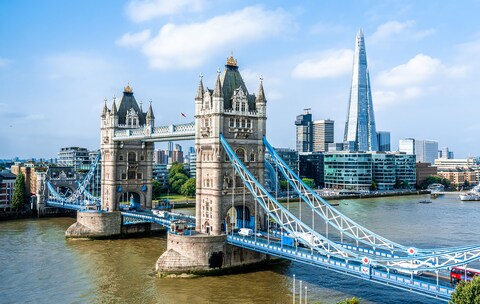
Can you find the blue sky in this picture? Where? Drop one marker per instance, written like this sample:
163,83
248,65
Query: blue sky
60,59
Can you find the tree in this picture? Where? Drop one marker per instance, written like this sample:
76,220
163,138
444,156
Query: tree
156,189
177,176
189,187
398,184
310,182
374,185
19,192
467,292
283,184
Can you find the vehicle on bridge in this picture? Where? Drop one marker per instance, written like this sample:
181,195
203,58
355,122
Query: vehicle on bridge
245,232
458,274
178,227
409,266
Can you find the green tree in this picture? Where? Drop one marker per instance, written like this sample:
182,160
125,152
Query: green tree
405,184
310,182
398,184
19,192
374,185
177,176
467,292
156,189
189,187
283,184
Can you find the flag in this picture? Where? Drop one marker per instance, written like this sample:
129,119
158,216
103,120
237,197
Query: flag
183,114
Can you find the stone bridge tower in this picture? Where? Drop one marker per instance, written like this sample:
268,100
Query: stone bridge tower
126,166
230,110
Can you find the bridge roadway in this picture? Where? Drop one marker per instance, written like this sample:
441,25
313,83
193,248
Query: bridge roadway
438,289
427,284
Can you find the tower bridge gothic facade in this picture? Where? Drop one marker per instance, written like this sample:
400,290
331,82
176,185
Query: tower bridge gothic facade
126,165
228,109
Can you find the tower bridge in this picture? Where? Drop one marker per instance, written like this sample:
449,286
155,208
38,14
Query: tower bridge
237,221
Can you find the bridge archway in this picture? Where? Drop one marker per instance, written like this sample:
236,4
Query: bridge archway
239,217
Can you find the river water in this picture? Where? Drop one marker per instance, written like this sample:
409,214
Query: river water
37,264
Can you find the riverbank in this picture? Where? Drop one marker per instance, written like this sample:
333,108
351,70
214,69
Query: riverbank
365,195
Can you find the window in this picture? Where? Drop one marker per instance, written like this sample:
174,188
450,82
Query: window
237,106
132,157
142,157
252,157
243,123
139,175
120,157
249,123
237,122
241,154
232,123
243,106
131,174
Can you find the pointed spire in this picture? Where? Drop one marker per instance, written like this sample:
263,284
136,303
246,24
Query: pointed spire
150,112
199,95
261,93
217,92
105,109
114,106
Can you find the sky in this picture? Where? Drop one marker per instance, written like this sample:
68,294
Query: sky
60,59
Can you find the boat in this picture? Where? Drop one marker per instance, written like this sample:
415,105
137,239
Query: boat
425,202
472,195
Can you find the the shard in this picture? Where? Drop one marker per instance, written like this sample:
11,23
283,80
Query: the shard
360,131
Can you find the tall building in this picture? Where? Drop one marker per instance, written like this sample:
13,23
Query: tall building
360,131
426,150
406,145
445,153
304,131
7,181
383,139
322,135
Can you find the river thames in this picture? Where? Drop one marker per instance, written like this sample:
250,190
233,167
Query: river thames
37,264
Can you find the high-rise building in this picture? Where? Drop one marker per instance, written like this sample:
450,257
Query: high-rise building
406,145
383,139
445,153
322,134
426,150
360,131
304,131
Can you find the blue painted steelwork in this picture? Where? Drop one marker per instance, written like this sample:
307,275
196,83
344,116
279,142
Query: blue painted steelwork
132,217
158,134
376,259
442,290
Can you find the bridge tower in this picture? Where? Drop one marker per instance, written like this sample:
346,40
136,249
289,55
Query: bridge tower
126,166
228,109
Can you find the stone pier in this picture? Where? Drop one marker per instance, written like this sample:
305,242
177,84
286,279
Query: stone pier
95,224
203,254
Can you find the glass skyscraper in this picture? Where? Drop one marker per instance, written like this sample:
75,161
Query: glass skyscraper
360,131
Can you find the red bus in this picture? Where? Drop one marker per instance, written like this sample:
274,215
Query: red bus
457,274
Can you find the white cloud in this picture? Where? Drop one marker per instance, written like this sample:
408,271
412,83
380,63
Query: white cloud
419,70
416,71
332,63
145,10
393,29
326,28
135,39
190,45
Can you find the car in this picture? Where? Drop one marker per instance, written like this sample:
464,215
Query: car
406,271
245,232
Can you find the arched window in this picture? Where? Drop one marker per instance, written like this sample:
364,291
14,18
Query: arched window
240,154
132,157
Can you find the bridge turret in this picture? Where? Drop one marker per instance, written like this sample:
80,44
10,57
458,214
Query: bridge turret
114,114
150,119
217,98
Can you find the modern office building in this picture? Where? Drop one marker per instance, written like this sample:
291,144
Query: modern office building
323,134
445,153
348,170
456,163
311,165
383,139
383,165
405,169
358,170
75,157
406,145
335,147
304,131
360,130
289,156
426,150
160,157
